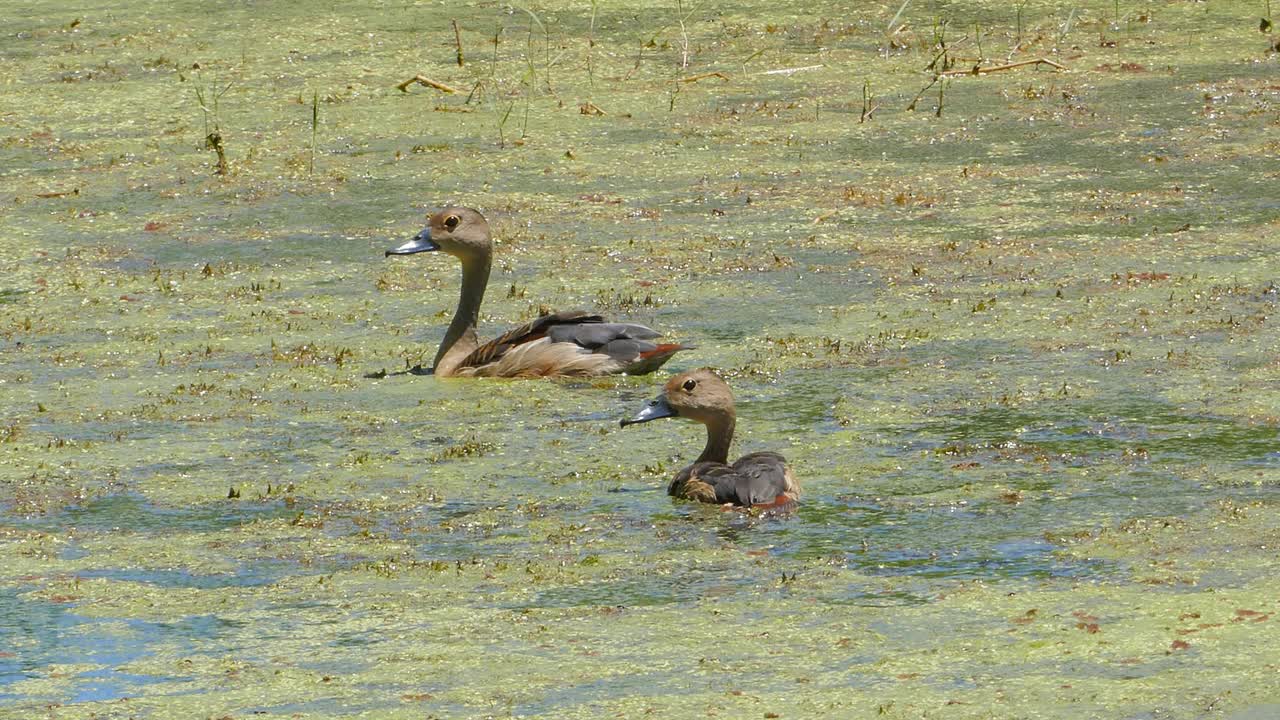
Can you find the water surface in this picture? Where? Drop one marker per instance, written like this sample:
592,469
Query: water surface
1018,343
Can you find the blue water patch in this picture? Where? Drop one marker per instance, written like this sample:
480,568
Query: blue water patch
255,575
1072,427
109,684
133,512
689,585
40,634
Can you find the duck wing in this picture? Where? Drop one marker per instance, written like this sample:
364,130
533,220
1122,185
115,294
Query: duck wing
627,343
758,479
763,478
535,329
630,344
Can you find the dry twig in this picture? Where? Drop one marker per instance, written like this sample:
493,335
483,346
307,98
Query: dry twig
422,80
980,71
788,71
704,76
976,70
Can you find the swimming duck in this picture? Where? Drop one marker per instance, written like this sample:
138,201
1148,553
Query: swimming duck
758,480
573,343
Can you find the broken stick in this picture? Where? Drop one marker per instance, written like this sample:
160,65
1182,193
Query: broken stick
421,80
704,76
977,70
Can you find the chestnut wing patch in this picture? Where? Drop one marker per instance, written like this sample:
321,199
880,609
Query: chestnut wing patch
698,490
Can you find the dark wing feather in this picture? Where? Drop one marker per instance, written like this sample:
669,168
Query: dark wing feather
535,329
709,482
762,477
598,334
725,480
625,342
758,479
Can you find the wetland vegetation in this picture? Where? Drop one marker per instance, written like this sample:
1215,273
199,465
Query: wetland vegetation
1012,327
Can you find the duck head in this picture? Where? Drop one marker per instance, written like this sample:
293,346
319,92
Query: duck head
699,395
458,231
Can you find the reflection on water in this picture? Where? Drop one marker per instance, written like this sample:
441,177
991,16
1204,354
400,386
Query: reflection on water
43,634
130,512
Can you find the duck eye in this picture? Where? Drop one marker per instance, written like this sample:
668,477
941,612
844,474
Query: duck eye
689,385
451,222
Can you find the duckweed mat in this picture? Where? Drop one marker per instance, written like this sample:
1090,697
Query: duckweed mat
998,278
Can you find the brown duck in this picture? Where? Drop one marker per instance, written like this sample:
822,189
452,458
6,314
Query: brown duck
759,480
572,343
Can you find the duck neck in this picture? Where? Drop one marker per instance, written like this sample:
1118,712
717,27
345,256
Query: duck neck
719,437
460,339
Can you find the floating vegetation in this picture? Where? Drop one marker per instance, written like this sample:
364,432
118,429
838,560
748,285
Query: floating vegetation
1020,345
468,448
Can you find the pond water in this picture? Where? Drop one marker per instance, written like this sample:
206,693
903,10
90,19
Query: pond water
1018,344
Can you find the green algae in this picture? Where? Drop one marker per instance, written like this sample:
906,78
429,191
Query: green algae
1019,348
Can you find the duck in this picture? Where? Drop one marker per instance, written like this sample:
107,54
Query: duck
562,344
759,480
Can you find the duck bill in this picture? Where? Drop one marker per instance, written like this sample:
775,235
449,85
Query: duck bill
421,242
654,410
